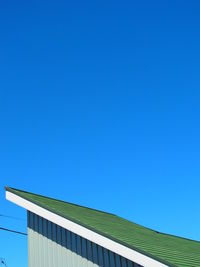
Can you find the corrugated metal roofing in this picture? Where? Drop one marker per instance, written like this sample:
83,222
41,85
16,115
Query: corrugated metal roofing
168,249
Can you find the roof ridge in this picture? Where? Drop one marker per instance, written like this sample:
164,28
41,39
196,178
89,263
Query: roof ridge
176,236
109,213
81,206
67,202
158,232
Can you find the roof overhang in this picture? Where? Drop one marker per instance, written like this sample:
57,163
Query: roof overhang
88,234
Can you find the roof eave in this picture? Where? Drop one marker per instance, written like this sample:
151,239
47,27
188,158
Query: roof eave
83,231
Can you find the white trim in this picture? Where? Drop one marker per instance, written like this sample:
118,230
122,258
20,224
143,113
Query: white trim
100,240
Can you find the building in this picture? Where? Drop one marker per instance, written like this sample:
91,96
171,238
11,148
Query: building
62,234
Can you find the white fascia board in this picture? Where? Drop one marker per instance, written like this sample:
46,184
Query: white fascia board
100,240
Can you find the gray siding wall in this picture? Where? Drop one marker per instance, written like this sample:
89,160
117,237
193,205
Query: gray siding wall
50,245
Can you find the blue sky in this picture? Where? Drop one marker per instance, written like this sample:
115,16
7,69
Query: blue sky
100,106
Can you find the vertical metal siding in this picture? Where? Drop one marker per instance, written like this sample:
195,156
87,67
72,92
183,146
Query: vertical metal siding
50,245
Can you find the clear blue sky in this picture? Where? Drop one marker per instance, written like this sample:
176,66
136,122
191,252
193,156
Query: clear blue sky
100,105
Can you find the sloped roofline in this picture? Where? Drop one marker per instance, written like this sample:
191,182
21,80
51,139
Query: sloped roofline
134,255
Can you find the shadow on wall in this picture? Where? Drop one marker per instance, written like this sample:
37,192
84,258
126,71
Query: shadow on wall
52,245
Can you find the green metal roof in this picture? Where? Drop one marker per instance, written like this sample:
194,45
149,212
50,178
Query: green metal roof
168,249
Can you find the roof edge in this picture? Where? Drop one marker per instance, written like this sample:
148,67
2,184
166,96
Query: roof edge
11,189
85,231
